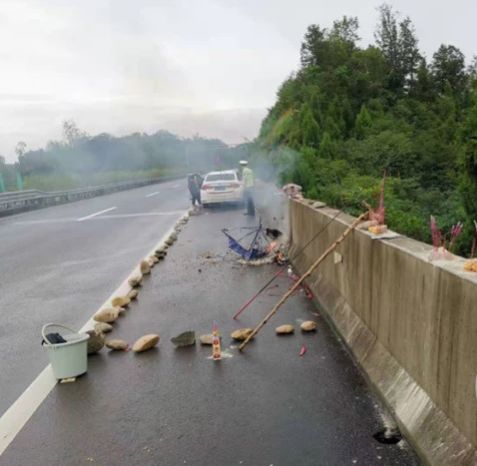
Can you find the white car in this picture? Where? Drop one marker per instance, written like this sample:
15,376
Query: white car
223,186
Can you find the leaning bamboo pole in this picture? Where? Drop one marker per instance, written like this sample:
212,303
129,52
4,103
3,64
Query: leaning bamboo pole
277,306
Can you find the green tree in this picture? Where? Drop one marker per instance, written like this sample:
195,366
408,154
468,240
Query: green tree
20,148
309,128
448,68
327,147
363,123
345,30
423,88
409,51
468,185
398,43
349,113
71,133
387,38
314,48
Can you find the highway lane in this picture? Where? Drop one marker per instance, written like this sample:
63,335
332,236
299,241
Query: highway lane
61,263
175,406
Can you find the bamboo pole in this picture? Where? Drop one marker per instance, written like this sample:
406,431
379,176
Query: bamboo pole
264,287
277,306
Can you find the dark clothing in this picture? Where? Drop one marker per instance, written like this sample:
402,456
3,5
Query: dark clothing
195,197
194,182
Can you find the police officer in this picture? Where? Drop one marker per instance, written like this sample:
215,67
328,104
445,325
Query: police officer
249,184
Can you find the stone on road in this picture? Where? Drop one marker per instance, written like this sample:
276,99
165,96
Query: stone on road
241,334
260,407
285,329
145,342
117,344
184,339
308,326
73,267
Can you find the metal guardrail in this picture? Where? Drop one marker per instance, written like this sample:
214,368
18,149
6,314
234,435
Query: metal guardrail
16,202
20,194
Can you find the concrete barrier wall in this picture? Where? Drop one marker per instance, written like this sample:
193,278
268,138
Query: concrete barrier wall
410,323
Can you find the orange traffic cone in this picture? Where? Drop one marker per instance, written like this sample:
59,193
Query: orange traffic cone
216,352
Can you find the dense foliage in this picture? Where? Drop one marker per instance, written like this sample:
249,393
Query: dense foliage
349,114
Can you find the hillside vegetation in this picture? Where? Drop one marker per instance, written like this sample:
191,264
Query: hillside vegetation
79,159
351,113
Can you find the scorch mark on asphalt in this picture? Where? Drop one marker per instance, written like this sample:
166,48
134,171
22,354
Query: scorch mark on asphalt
96,214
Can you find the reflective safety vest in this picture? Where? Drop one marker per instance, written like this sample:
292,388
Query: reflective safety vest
248,177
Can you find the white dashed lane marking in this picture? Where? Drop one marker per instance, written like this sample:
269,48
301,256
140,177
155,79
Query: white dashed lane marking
152,194
96,214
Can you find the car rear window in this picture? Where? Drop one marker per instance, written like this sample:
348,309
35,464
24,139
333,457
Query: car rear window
221,177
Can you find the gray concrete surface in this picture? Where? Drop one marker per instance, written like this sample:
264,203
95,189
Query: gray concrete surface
411,324
56,269
266,406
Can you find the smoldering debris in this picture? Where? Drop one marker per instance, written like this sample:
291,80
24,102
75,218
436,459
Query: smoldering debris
293,191
273,233
258,246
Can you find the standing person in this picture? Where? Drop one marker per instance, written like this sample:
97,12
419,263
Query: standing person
199,181
194,189
249,184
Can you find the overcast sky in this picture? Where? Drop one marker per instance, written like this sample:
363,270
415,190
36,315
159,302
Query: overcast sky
208,66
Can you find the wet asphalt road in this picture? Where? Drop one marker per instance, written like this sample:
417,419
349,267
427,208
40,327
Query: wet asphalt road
56,269
266,406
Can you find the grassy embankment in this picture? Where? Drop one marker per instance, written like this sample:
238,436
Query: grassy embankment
60,182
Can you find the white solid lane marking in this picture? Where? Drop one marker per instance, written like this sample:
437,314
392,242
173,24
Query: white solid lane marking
19,412
96,214
29,401
175,186
152,194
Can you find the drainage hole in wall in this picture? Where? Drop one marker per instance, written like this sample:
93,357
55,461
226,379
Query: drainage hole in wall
388,436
